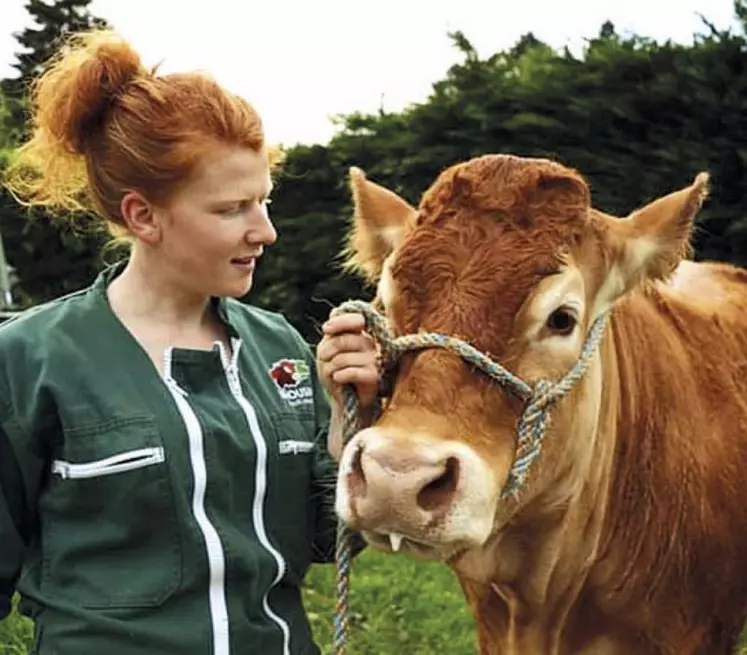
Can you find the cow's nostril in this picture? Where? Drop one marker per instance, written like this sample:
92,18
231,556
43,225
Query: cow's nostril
357,478
438,493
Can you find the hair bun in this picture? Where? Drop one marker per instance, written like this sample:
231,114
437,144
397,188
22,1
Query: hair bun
74,96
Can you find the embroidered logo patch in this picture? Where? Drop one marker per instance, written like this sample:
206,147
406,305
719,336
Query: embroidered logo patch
291,377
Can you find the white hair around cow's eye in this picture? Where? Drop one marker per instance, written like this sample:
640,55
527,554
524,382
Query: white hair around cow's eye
555,310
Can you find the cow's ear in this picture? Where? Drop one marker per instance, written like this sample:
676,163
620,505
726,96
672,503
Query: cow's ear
650,243
379,222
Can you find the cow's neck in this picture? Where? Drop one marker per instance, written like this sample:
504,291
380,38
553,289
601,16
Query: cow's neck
538,564
547,558
654,489
623,545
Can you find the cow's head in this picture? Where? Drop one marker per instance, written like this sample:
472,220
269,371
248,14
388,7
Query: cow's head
507,254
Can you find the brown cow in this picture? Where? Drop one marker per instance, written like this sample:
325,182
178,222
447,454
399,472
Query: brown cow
629,535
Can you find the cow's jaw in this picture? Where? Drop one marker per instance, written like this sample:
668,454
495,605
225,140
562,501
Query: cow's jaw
415,494
394,542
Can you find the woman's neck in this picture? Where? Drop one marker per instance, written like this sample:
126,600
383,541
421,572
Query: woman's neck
143,293
161,312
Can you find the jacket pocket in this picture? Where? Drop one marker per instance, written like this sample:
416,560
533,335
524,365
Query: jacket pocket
292,493
109,517
128,461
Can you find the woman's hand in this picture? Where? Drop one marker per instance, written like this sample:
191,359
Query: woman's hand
348,355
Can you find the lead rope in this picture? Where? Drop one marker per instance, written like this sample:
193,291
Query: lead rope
538,398
343,550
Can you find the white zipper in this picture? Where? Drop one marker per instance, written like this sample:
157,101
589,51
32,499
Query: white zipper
231,370
213,545
129,461
295,447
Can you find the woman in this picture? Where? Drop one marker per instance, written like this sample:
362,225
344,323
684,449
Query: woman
163,478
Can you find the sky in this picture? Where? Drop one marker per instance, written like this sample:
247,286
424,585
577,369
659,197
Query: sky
300,62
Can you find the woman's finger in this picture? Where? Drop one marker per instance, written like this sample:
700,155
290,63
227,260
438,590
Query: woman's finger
356,375
351,322
330,347
355,359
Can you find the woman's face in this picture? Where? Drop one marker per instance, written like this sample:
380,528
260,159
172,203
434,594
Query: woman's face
216,225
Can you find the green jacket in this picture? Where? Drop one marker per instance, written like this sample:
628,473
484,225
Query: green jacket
142,515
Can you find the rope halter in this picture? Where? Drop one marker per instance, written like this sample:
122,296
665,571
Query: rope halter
538,398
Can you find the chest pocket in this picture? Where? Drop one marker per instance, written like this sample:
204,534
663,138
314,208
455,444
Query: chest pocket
109,517
295,494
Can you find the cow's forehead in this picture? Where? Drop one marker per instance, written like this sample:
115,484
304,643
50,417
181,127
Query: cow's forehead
464,278
525,192
488,232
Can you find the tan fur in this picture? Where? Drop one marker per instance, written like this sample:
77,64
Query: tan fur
630,537
387,215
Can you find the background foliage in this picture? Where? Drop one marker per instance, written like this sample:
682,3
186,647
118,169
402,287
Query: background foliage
638,118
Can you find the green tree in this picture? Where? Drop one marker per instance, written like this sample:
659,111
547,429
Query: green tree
740,11
50,257
638,118
5,138
54,20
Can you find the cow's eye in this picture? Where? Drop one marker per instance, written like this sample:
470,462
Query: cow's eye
562,321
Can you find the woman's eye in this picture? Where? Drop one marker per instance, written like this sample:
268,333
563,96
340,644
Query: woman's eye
561,321
233,209
243,206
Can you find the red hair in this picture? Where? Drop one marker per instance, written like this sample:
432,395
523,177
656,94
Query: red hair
104,125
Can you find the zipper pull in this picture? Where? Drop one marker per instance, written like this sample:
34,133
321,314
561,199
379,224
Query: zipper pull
171,384
233,379
61,469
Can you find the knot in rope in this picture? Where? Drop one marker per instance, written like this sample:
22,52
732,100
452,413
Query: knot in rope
538,398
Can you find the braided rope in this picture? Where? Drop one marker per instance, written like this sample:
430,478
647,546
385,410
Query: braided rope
538,398
350,425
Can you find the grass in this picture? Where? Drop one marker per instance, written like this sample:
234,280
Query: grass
398,605
16,634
